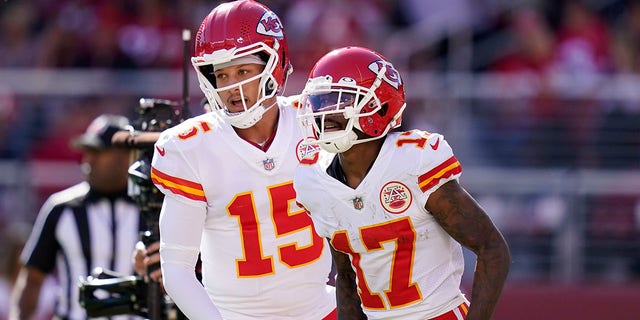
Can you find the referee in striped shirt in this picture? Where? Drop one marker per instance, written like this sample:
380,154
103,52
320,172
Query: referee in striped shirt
92,224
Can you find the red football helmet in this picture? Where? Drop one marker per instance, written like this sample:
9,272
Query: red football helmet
359,84
243,30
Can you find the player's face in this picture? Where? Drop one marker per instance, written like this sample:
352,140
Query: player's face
331,106
238,96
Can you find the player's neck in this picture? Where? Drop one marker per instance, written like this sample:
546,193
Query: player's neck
263,129
358,160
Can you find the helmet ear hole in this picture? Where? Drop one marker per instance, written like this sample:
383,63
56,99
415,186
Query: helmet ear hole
383,110
269,86
372,125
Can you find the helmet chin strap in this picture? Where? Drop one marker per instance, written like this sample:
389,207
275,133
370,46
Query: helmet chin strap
246,119
338,141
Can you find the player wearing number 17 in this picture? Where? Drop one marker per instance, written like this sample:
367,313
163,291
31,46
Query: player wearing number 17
390,202
227,176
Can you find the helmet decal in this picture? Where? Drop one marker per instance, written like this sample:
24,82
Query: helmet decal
270,25
391,76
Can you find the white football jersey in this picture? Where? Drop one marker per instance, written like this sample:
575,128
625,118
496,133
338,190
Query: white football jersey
407,266
260,256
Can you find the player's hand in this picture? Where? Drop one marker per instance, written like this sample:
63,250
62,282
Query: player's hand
146,261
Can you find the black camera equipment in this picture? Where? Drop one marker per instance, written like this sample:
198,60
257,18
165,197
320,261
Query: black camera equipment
104,293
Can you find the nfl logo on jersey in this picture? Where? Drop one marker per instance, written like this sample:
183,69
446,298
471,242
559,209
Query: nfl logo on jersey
357,203
268,164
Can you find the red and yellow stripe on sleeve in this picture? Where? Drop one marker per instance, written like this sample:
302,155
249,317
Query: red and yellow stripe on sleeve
185,188
444,170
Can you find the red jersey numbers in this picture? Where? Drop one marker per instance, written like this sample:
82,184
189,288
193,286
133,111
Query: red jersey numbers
286,221
419,142
402,290
193,131
287,218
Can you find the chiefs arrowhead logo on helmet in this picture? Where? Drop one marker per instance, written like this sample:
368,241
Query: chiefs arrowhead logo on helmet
270,25
391,75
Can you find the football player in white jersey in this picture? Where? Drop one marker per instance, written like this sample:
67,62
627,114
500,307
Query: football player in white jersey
389,202
227,176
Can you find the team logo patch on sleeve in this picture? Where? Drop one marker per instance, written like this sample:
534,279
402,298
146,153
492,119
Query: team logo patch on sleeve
395,197
307,154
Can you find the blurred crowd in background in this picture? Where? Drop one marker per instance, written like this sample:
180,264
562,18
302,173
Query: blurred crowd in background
566,45
548,86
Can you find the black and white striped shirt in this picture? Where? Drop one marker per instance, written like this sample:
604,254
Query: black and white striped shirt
78,230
